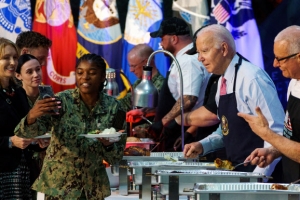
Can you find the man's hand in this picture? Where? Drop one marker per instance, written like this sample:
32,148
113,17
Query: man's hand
134,116
192,150
263,156
21,143
259,124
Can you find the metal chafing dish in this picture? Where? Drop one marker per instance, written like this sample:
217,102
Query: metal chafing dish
143,168
181,182
249,191
161,165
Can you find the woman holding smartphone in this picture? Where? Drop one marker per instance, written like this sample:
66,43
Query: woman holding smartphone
29,73
15,152
73,167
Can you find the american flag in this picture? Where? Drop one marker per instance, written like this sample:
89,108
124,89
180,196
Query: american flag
221,13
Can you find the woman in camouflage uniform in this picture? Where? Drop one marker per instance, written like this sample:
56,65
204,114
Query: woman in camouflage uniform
73,166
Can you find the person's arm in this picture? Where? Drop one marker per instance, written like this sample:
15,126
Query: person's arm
113,151
38,120
192,130
213,141
189,102
200,117
260,92
263,156
259,125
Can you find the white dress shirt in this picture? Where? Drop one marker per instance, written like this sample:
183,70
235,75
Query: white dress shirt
254,88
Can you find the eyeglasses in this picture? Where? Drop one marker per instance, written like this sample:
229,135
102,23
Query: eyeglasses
287,57
134,66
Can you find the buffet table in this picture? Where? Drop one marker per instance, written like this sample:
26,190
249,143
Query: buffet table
116,196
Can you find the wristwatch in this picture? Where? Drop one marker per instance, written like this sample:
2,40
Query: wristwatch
10,144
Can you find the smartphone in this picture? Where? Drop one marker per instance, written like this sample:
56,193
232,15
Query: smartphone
46,91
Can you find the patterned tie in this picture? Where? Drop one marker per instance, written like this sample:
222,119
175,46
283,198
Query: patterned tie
223,86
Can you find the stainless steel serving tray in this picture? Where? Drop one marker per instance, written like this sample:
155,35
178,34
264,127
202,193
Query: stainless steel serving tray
249,191
162,154
187,178
164,164
243,187
156,156
161,165
209,173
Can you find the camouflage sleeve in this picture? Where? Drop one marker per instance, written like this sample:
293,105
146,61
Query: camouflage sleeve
126,102
119,123
158,81
115,155
40,127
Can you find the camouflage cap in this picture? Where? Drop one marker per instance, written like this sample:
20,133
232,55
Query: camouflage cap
193,50
171,26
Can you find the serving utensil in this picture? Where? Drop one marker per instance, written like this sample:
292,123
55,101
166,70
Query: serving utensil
144,118
240,164
292,183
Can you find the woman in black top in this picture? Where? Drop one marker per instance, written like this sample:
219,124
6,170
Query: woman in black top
15,153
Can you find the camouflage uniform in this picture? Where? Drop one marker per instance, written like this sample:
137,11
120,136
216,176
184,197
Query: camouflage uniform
74,163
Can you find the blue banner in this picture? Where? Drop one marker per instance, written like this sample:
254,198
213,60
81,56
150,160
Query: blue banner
237,16
143,17
15,17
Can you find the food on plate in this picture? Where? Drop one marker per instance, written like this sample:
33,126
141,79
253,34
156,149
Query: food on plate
278,187
136,151
94,132
224,164
105,131
109,131
133,139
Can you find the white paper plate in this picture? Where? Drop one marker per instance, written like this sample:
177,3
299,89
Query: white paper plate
43,136
102,135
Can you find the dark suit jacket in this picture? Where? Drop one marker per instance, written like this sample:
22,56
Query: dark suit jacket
12,110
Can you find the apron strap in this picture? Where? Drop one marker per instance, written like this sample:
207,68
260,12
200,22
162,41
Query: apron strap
237,65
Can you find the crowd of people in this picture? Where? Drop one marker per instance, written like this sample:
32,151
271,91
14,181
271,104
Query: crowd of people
229,104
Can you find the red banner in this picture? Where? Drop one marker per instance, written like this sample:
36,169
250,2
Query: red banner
53,18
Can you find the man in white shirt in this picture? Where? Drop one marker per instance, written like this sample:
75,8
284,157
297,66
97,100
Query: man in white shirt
245,86
175,38
287,58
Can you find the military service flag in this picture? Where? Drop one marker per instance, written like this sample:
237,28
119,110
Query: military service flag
237,16
99,32
142,18
53,18
15,17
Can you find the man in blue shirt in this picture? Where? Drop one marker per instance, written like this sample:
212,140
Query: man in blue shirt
247,86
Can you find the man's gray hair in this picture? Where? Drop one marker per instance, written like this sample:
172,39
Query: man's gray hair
290,35
220,34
